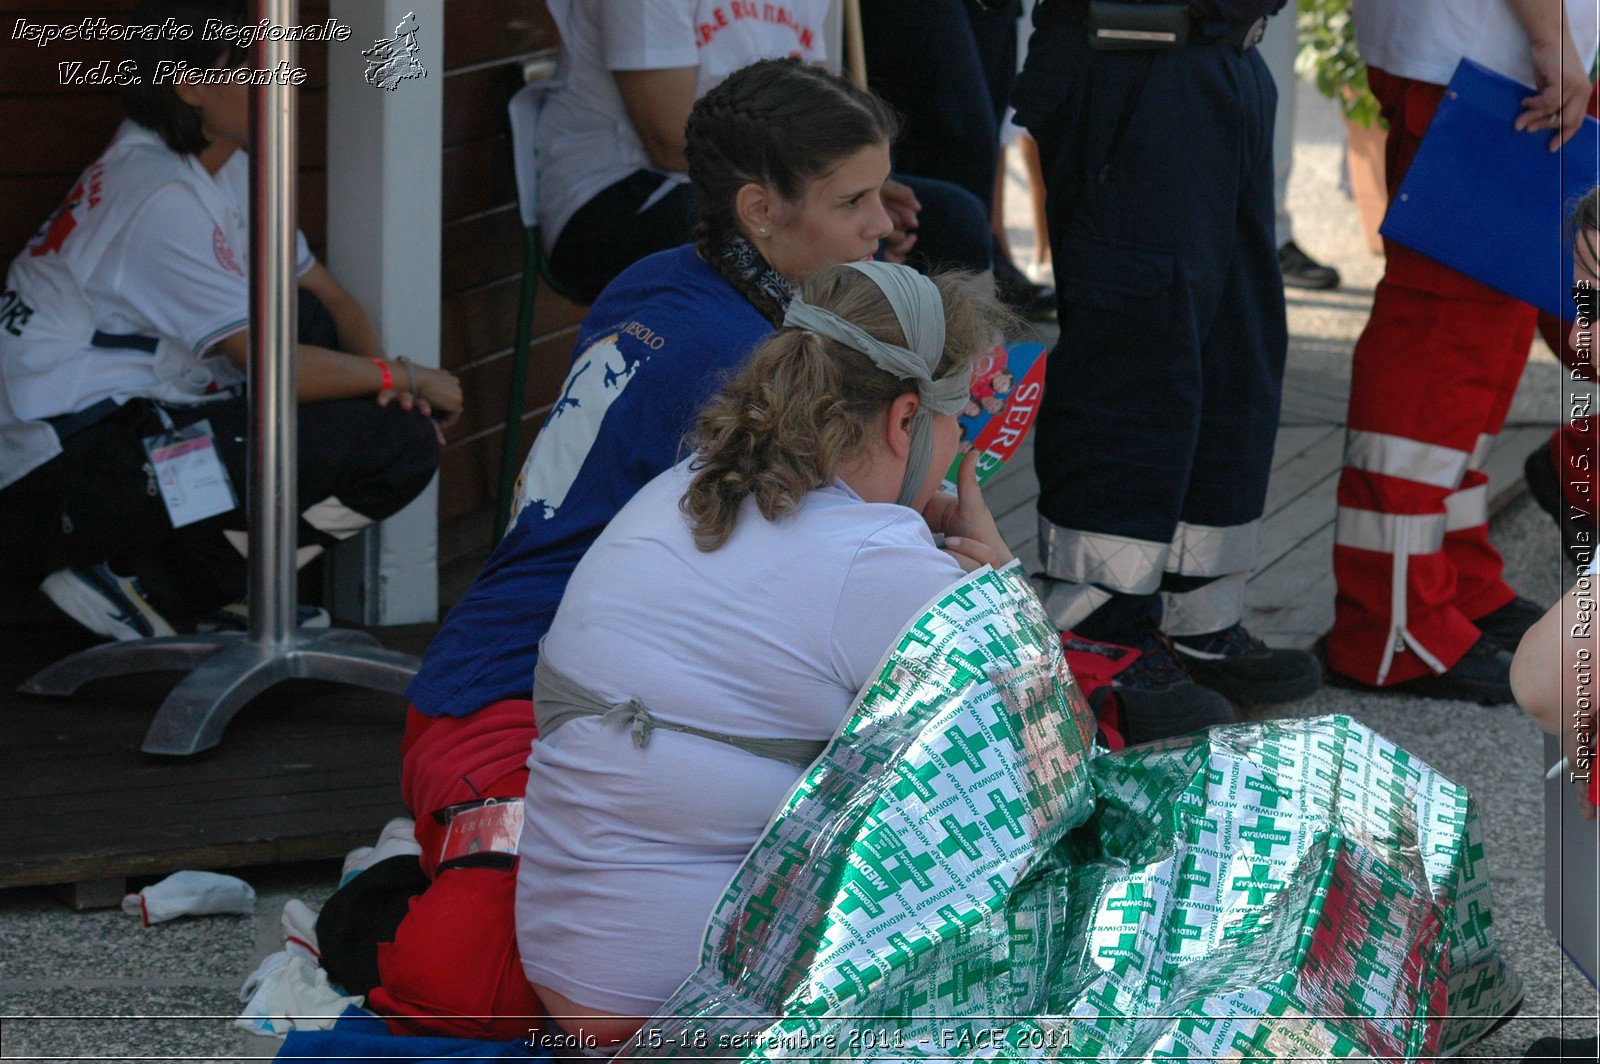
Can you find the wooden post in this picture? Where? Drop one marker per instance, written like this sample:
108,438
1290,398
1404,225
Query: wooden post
855,45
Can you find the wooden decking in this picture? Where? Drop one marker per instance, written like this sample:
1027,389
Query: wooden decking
308,770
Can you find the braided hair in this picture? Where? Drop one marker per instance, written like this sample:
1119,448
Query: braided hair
778,123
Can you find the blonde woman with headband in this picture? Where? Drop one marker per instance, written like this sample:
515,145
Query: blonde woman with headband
712,639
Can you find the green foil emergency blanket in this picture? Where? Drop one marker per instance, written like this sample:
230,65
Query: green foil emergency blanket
959,877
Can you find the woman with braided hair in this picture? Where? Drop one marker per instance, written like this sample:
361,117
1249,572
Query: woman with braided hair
787,163
750,590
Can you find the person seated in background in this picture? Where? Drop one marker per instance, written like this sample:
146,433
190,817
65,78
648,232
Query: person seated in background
613,184
1555,658
126,330
947,66
748,592
787,163
1552,676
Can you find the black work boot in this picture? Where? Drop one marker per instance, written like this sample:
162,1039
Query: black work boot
1508,624
1245,670
1159,698
1482,675
1569,1050
1036,302
1302,271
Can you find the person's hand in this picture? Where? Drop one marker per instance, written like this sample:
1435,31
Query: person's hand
902,206
964,519
971,554
441,390
1563,95
437,394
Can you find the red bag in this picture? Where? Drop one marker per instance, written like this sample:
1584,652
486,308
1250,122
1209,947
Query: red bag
1095,665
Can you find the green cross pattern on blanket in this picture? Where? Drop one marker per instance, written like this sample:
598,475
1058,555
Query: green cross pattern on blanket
961,876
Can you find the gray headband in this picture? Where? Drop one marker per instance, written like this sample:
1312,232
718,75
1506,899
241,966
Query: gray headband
919,308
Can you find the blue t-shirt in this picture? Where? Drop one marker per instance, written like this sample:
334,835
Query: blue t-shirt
653,349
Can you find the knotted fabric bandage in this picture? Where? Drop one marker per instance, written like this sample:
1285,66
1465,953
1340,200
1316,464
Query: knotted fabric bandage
920,310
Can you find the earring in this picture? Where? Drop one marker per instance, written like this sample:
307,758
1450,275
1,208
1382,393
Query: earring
762,230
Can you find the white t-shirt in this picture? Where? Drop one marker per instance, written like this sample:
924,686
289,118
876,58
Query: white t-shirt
625,851
129,287
586,143
1425,39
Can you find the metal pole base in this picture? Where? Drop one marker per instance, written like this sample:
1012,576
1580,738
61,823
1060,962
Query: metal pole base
227,672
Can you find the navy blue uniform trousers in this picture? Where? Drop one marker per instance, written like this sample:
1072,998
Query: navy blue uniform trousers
1161,399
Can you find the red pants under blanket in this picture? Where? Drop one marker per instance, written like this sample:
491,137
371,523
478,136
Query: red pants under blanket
453,967
1433,378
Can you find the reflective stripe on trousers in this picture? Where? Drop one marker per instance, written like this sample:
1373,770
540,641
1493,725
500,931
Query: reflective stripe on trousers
1400,536
1085,569
1404,535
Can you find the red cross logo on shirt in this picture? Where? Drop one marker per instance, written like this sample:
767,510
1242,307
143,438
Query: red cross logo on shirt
64,220
60,225
224,252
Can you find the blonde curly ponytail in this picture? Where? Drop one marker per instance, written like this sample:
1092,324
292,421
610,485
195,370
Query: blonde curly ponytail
801,405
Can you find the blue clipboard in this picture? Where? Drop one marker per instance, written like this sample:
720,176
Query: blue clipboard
1491,202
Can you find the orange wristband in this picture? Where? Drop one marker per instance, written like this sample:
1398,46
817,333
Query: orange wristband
388,375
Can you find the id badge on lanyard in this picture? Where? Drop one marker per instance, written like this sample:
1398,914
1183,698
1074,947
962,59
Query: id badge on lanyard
193,482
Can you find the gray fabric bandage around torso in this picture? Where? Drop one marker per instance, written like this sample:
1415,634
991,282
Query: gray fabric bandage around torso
558,698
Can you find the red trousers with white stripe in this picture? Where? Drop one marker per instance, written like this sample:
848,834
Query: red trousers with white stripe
1435,371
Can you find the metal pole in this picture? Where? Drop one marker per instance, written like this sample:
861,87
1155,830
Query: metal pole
274,315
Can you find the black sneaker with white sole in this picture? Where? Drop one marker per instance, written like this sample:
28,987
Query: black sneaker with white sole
105,603
1036,302
1245,670
1158,697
